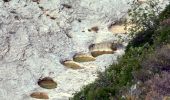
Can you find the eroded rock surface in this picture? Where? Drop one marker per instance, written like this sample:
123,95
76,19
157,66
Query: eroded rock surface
36,34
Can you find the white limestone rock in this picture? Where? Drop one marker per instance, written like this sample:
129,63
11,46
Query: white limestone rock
34,37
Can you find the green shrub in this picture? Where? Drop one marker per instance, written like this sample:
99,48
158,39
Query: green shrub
143,17
162,36
165,14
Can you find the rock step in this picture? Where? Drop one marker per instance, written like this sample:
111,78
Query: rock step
83,57
103,48
39,95
71,64
98,53
47,83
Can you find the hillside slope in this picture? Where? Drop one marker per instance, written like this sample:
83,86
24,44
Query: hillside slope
143,73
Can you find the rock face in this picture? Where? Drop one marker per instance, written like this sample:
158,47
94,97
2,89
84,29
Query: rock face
39,95
47,83
36,34
83,57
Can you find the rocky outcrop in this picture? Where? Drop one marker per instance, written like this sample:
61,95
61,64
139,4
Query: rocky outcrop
36,34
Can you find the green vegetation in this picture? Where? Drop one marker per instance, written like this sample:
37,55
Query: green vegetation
143,16
146,63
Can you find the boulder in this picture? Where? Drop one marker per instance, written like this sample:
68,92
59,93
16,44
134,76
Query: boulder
39,95
82,57
71,64
47,83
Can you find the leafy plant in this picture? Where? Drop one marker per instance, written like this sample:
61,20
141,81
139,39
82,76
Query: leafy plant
142,17
165,14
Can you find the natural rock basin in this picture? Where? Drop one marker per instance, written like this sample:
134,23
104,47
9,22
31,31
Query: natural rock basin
102,48
47,83
71,64
98,53
36,36
82,57
39,95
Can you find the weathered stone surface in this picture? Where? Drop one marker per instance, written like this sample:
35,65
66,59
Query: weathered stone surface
39,95
82,57
47,83
35,36
71,64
